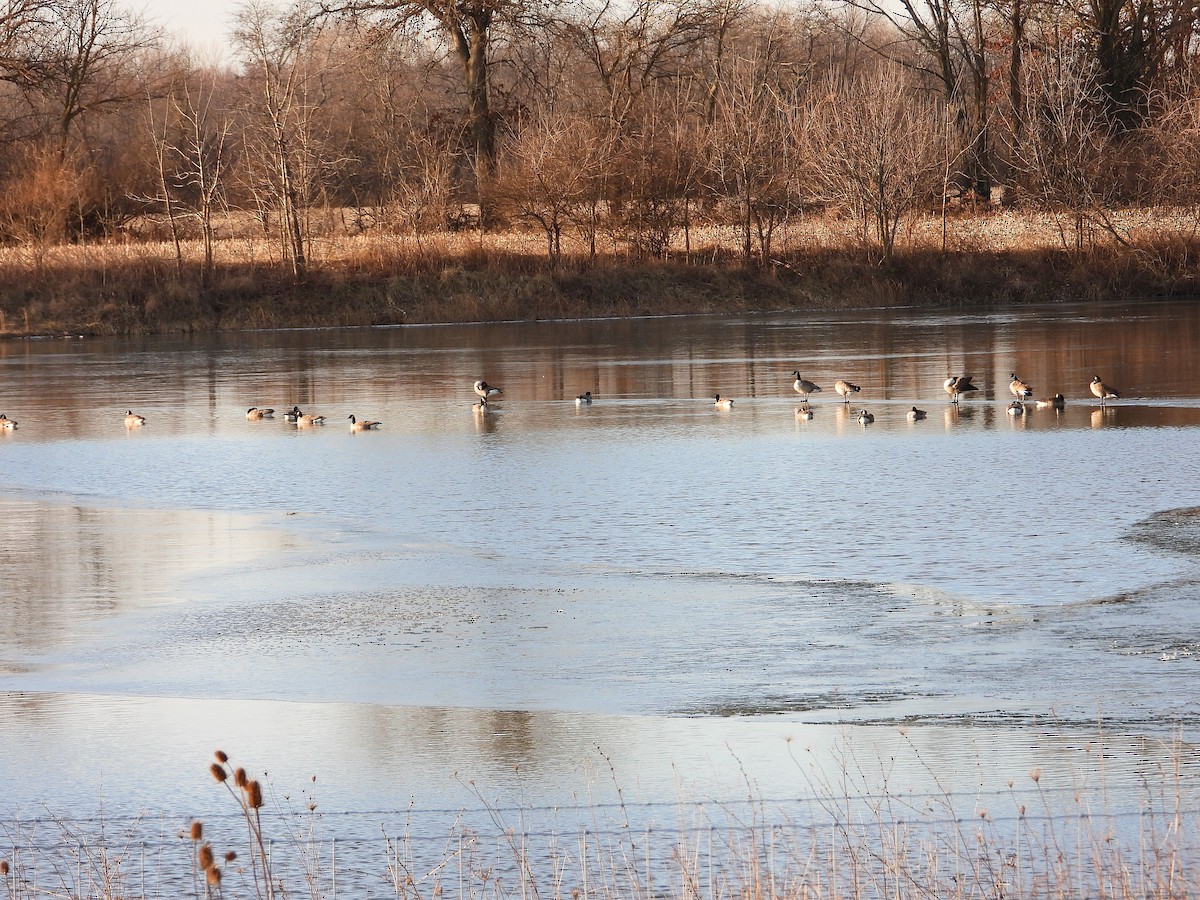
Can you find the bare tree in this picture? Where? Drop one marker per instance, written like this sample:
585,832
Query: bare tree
276,45
1067,141
751,152
952,39
469,26
94,58
870,145
203,154
158,125
24,27
550,166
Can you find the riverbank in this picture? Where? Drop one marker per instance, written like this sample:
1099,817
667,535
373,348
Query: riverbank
141,286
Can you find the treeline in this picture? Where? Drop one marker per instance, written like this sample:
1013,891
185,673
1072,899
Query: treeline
607,125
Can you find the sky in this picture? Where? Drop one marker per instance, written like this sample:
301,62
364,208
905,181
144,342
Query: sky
203,24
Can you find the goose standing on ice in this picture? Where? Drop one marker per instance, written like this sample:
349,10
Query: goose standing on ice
1103,391
955,385
845,389
1019,389
1057,402
804,388
485,391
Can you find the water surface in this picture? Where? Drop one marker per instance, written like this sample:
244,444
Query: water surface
550,601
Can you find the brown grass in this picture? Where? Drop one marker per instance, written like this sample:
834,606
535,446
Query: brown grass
135,286
1040,839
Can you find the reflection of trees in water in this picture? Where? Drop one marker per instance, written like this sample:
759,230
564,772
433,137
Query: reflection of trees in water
465,743
67,567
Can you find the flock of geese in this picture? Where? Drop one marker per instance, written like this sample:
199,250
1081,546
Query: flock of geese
954,385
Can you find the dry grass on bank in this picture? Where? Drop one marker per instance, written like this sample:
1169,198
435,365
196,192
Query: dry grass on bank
1040,840
375,277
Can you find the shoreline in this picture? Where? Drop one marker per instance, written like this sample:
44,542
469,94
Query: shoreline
389,281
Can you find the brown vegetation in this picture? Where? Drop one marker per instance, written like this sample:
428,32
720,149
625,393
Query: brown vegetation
418,160
371,278
854,839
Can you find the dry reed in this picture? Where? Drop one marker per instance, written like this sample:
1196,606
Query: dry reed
376,277
1041,839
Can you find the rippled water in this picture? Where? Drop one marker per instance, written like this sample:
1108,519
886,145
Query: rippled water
552,601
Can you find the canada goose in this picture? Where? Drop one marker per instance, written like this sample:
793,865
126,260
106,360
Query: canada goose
803,412
722,402
845,389
7,424
1019,389
1056,401
584,399
804,388
914,414
307,419
133,421
864,417
1016,408
255,413
1103,391
362,424
486,391
293,414
954,385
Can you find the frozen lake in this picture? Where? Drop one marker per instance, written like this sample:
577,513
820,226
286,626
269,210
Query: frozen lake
542,605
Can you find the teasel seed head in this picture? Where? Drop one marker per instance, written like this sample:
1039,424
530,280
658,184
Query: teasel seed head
230,856
240,779
218,771
213,874
254,795
197,831
204,859
221,757
3,866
